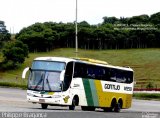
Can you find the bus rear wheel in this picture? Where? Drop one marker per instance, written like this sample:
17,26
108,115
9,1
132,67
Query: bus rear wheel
44,106
115,107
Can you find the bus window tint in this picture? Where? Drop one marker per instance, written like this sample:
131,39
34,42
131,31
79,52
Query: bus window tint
129,76
89,71
80,70
121,76
113,75
99,73
68,76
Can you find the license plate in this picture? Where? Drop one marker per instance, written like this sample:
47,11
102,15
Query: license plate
42,100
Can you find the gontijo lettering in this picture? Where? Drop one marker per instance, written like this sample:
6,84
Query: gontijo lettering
112,86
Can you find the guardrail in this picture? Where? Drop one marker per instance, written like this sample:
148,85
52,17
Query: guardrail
147,85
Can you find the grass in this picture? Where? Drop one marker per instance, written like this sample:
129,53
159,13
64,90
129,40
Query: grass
15,85
147,96
145,62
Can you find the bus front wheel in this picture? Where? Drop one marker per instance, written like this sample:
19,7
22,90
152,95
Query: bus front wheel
44,106
75,103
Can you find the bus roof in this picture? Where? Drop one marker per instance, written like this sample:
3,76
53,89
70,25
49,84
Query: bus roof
61,59
101,63
83,60
92,60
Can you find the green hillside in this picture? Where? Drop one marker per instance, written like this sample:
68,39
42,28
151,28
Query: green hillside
145,62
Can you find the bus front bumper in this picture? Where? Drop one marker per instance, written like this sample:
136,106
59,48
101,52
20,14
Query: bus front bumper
42,100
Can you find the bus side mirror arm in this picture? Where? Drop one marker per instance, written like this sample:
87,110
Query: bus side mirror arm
62,79
24,72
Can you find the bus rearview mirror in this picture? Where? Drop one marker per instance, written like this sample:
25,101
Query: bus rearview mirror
24,72
62,75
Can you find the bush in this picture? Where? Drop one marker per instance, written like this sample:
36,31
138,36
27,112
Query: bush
149,85
8,65
14,53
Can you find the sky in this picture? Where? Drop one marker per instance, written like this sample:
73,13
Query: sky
18,14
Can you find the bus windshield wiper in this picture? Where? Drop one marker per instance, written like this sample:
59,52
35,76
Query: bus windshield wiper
39,81
48,83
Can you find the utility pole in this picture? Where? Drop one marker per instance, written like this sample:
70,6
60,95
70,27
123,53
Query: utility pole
76,37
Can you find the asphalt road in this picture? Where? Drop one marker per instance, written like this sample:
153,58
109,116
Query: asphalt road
14,100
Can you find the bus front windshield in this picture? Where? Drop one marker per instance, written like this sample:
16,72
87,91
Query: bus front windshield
45,76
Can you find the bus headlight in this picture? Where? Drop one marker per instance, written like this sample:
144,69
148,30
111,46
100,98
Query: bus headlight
29,94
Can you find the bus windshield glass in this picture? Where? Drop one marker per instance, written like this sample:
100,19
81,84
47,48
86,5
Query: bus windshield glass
45,76
48,65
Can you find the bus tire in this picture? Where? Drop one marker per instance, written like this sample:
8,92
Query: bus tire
113,105
75,103
44,106
120,103
72,107
117,108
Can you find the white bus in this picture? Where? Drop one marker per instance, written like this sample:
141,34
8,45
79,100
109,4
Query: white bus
79,82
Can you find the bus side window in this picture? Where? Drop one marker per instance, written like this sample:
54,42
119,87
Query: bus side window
120,76
68,75
106,74
76,70
113,75
84,70
80,70
129,77
99,73
90,72
103,74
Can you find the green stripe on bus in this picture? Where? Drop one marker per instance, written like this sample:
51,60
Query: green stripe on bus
88,91
94,92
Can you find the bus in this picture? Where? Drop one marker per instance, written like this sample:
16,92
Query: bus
83,82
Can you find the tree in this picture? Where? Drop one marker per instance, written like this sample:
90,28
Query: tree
84,24
4,37
155,18
111,20
39,37
113,33
14,53
99,37
142,19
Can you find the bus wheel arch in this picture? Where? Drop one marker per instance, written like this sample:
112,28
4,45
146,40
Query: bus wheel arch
75,102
